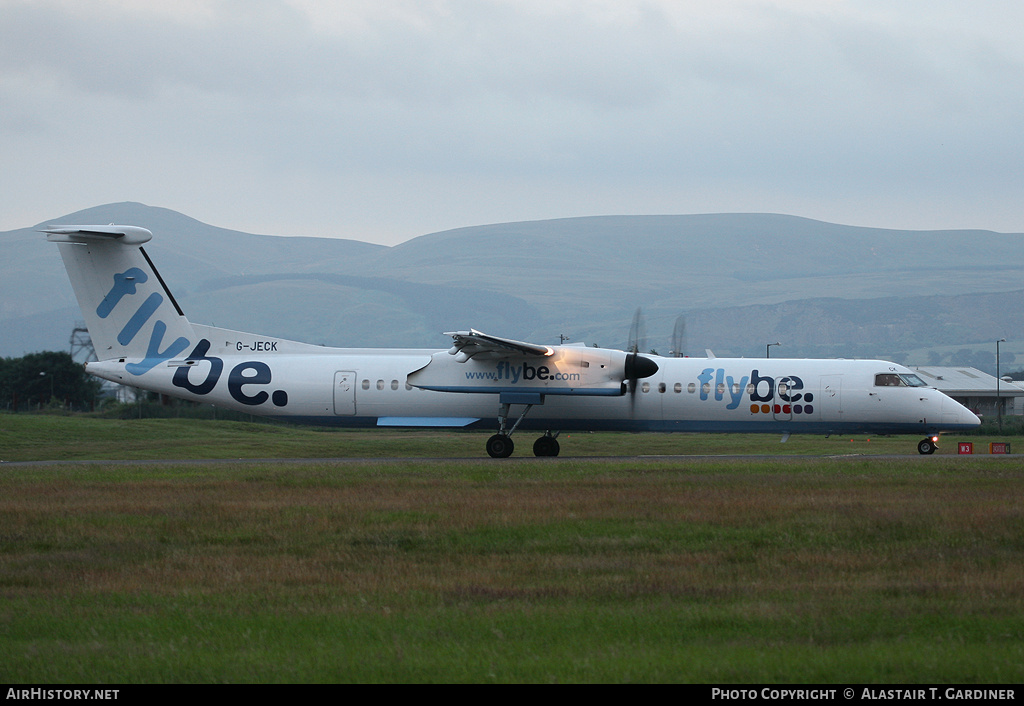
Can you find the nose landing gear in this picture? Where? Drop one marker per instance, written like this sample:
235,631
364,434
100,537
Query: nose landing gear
926,447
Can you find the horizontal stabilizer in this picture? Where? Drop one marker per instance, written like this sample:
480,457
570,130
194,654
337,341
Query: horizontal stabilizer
129,235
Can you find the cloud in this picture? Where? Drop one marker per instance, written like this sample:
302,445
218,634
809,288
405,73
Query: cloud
468,111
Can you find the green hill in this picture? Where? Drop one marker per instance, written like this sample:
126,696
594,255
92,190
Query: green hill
741,280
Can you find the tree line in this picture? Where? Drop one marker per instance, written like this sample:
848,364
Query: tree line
46,379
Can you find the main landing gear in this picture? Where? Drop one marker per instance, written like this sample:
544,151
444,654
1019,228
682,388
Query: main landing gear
500,445
926,447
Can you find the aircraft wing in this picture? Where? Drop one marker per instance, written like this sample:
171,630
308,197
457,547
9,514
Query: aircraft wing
471,343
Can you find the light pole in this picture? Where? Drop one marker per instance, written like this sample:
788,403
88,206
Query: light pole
999,401
42,374
768,349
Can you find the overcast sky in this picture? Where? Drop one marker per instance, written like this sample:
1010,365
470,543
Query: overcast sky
383,120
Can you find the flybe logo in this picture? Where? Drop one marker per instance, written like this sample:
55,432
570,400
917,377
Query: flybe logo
765,394
242,376
244,379
125,284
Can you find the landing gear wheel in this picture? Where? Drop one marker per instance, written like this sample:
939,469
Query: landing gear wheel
926,447
500,446
546,446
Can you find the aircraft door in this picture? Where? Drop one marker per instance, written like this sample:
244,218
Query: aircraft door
345,392
830,400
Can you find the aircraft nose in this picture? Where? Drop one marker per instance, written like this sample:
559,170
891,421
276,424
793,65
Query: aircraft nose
964,417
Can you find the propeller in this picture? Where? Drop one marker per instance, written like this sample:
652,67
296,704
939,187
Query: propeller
637,366
637,331
679,338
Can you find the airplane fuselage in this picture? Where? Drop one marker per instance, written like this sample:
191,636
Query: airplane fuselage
371,387
143,339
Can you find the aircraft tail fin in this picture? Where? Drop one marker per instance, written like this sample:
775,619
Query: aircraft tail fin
128,309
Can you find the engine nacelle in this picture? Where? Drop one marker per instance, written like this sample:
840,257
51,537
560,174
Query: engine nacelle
566,370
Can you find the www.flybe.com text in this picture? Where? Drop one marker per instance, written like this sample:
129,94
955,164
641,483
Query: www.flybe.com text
515,373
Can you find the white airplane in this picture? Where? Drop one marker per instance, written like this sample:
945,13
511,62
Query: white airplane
143,339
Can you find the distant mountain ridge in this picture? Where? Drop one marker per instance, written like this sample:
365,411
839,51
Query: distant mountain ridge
740,279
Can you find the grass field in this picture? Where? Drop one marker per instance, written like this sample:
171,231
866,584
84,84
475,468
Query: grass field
25,437
829,564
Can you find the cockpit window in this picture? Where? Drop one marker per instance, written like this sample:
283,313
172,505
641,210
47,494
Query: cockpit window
898,380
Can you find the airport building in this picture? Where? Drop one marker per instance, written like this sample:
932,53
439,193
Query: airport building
975,390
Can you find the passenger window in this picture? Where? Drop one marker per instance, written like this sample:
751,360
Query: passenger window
678,387
691,388
394,384
366,384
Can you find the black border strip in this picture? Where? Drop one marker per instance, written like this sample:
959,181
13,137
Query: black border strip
162,283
